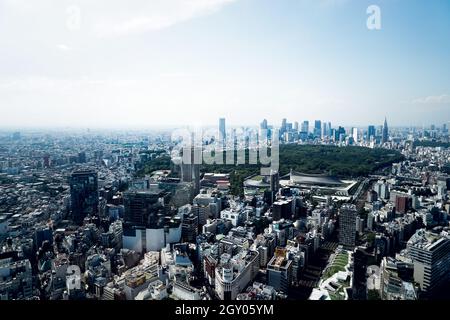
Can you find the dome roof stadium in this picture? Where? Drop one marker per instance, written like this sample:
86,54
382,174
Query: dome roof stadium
315,179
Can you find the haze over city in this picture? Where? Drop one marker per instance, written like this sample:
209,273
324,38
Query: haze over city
176,62
190,154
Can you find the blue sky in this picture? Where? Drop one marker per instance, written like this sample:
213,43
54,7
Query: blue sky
155,62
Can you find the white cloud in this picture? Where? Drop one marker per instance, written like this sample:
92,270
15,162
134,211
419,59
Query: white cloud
108,18
152,15
63,47
442,99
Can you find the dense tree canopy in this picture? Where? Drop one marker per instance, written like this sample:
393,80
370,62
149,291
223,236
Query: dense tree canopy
344,162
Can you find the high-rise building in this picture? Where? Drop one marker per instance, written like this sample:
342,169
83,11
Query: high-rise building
283,209
83,195
371,132
382,189
324,129
305,127
355,134
222,131
190,168
189,227
139,206
279,271
296,126
385,134
283,127
430,253
263,125
359,280
402,204
274,181
347,225
339,134
289,127
317,128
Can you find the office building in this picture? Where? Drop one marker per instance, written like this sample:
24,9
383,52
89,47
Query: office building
141,207
402,204
264,125
283,209
83,195
385,133
382,189
355,134
189,227
190,168
233,274
347,225
222,132
371,133
283,128
305,127
279,271
430,254
317,129
359,279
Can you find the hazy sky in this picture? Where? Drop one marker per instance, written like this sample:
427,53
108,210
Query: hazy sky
85,63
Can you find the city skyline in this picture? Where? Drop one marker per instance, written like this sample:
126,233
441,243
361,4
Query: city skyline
224,157
168,62
164,127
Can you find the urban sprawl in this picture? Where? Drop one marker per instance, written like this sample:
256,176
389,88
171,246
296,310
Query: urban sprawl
350,214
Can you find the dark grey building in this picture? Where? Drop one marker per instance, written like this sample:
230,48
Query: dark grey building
83,195
385,134
347,225
142,207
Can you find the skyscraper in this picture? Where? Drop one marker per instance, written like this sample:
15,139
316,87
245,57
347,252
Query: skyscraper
347,225
138,207
324,129
83,195
359,281
355,134
190,168
317,128
430,254
222,131
339,134
283,126
264,125
385,134
371,132
305,127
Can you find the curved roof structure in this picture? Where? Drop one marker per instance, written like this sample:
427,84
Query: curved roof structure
315,179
